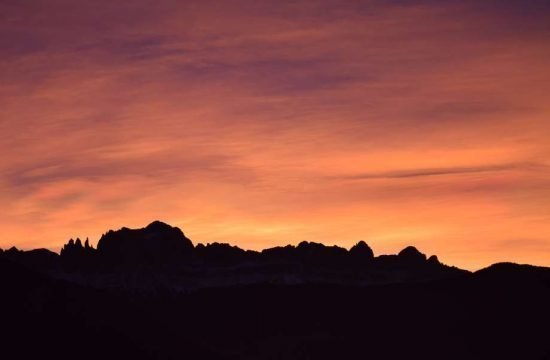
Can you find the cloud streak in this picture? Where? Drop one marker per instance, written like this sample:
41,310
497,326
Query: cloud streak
404,174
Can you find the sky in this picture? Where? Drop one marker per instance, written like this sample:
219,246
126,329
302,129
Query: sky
264,123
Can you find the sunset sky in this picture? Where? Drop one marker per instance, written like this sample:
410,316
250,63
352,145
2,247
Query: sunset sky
263,123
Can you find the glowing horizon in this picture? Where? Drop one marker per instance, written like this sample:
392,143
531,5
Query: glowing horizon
422,123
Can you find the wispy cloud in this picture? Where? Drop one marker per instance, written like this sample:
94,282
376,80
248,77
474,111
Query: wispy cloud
413,173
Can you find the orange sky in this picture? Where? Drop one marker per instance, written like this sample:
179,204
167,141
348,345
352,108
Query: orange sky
265,123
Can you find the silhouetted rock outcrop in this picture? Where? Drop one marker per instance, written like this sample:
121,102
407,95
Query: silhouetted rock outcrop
76,256
76,249
319,254
361,252
411,255
156,244
433,260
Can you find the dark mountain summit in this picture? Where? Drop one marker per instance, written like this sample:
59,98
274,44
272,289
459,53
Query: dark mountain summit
158,243
361,251
411,255
150,294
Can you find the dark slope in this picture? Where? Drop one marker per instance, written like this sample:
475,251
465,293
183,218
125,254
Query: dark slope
469,318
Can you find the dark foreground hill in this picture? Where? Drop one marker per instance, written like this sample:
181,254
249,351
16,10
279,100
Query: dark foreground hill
122,300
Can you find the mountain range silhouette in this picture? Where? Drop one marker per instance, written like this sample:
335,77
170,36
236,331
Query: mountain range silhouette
150,293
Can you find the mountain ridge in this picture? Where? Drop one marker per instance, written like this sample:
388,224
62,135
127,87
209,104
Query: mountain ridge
162,254
309,301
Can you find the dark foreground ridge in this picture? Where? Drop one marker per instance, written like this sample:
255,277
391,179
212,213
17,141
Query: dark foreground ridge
151,294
